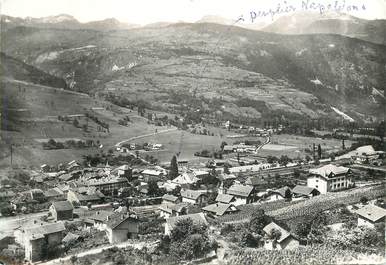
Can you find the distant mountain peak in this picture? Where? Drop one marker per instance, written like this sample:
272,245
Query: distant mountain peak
65,21
306,22
215,19
52,19
109,23
111,20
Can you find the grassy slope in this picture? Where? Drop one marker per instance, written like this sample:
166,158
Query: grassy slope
16,69
41,122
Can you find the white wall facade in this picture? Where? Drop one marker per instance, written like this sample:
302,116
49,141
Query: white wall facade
191,201
365,222
327,185
239,201
318,183
274,197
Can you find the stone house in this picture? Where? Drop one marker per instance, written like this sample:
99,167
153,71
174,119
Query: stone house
84,198
168,198
243,194
219,209
168,210
279,194
303,192
61,210
120,227
40,239
54,194
194,197
225,198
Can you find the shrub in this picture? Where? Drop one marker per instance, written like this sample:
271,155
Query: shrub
73,259
364,200
226,229
187,241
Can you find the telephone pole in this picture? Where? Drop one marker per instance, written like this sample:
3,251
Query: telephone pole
11,156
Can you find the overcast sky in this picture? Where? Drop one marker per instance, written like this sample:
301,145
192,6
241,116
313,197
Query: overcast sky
149,11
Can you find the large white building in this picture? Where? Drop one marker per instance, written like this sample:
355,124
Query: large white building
329,178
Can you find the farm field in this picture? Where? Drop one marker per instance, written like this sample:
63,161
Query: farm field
294,146
190,143
290,145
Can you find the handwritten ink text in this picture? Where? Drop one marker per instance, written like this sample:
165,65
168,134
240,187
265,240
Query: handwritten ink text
340,6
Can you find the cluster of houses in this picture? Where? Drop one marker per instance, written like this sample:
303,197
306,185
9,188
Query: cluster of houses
194,204
40,237
240,148
366,155
253,130
328,178
84,196
136,146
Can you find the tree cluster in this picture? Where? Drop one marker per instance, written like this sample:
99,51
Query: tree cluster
249,234
52,144
124,121
97,121
207,153
173,171
187,241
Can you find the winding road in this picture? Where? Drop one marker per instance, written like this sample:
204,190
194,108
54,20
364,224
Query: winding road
144,135
267,141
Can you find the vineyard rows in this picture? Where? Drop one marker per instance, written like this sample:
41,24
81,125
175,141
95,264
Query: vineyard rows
287,210
245,211
309,255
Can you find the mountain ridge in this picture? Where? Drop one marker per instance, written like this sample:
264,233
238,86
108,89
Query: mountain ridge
303,74
64,21
302,22
346,25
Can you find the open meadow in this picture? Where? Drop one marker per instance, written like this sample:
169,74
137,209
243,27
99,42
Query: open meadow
32,118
